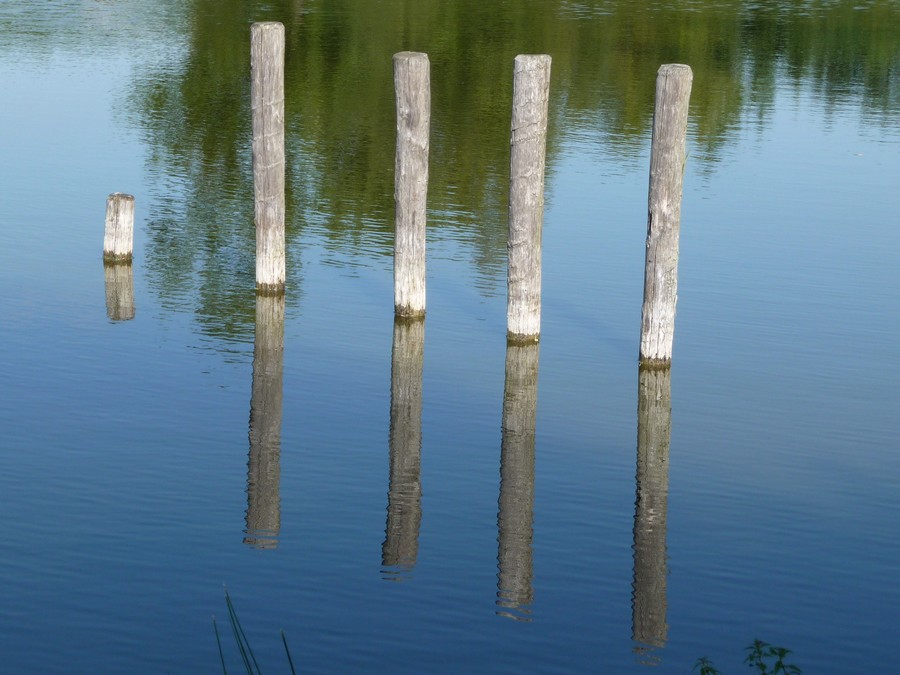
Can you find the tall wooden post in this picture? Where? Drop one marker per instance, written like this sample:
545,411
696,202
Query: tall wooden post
667,162
648,605
118,237
404,511
412,87
264,460
267,104
528,147
515,516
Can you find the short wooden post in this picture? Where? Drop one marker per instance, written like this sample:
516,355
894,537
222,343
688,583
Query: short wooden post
515,519
267,104
118,238
667,162
412,87
528,148
263,522
648,604
119,282
404,512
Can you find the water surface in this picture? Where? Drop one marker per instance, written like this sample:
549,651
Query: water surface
419,498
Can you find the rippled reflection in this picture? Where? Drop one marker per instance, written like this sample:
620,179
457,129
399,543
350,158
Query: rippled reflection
648,617
515,519
119,282
404,511
264,463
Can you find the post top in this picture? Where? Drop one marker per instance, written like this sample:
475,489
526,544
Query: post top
267,25
675,68
524,58
410,55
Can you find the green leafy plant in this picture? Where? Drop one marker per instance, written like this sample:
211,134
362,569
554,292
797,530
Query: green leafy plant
761,652
706,667
762,657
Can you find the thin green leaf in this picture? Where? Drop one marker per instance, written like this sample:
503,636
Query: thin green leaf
219,642
288,652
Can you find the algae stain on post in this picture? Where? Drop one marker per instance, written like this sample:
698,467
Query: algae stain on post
667,162
267,104
528,147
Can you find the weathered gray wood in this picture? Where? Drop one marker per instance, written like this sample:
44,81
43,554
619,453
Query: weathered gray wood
412,87
652,490
118,237
667,162
263,522
267,104
528,147
404,512
119,282
515,519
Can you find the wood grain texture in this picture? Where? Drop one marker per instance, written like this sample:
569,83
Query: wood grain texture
118,237
267,105
667,162
412,87
528,146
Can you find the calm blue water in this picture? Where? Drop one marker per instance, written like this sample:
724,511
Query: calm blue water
125,445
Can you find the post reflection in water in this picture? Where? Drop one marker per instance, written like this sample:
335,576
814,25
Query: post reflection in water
516,505
649,628
119,282
404,510
263,466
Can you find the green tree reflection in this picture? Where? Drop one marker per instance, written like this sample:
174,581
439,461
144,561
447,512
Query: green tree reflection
340,114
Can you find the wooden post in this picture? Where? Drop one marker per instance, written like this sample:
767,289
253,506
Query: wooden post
118,238
267,104
404,511
667,162
119,282
412,87
263,522
515,518
528,147
648,604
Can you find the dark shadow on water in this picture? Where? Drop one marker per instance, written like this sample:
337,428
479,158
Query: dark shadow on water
648,600
263,522
515,519
404,510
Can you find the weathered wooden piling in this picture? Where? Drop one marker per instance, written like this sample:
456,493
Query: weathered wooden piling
263,522
648,600
412,88
528,147
119,283
267,104
515,517
118,237
404,511
667,162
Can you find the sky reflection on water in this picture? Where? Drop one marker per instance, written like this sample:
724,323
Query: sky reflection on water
148,460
